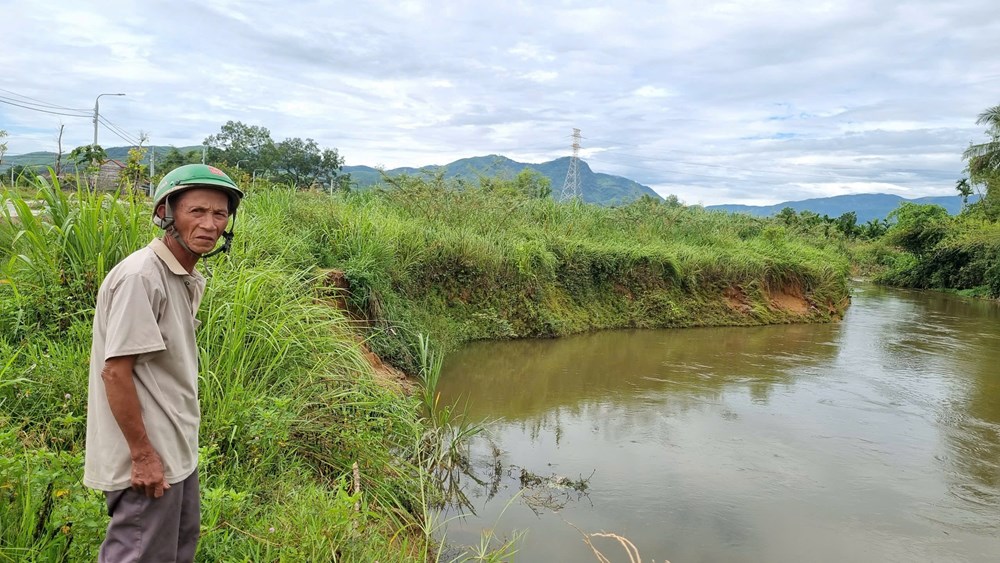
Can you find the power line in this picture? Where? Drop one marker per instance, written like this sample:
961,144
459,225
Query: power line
41,103
118,131
6,101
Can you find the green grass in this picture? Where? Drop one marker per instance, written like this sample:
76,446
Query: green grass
460,263
290,405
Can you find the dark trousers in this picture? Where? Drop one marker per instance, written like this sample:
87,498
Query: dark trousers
161,530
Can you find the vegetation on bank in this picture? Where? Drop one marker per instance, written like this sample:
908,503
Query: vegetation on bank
926,248
289,400
486,261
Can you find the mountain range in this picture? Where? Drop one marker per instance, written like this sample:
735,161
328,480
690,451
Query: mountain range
866,206
595,187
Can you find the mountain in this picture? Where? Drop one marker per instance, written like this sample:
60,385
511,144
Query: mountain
867,206
114,153
595,187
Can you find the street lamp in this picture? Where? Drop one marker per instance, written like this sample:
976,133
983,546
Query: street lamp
239,161
97,112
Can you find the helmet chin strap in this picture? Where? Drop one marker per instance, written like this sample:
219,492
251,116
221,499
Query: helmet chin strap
227,241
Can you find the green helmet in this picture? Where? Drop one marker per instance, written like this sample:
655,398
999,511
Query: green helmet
196,176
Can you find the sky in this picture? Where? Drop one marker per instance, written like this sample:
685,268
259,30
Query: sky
753,102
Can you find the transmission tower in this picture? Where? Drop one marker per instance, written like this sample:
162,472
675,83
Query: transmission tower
571,187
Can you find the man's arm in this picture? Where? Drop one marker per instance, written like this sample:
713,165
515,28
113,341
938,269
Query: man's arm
147,469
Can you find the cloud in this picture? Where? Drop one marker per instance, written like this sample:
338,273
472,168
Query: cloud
714,101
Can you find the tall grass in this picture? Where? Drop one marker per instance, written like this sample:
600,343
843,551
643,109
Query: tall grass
288,401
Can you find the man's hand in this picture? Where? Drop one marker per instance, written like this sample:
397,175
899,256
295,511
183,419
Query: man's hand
147,474
147,468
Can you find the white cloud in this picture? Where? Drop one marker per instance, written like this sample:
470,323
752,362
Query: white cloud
530,52
718,101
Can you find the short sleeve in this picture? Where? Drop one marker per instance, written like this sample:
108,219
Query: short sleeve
132,319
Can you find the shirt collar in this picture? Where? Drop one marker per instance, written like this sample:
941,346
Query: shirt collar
161,250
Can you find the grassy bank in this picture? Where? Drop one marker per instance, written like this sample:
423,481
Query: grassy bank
288,399
290,403
465,264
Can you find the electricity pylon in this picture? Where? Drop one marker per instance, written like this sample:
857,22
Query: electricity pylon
571,187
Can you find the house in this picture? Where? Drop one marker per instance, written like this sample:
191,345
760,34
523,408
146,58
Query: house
107,176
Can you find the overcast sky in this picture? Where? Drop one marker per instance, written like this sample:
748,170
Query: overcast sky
717,102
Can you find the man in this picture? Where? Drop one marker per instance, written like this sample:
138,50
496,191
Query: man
142,406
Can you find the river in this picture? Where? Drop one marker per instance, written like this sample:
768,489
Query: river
873,439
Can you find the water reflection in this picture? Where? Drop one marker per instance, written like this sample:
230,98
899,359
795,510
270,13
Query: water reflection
531,377
874,439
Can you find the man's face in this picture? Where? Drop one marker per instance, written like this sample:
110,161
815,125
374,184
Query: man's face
200,217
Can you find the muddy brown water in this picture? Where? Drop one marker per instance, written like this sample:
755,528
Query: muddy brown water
874,439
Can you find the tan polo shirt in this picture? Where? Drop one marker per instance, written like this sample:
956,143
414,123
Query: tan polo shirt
146,307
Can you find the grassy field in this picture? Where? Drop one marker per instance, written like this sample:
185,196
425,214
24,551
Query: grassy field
290,402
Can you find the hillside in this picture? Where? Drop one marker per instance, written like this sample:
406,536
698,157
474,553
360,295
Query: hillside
44,158
867,206
596,187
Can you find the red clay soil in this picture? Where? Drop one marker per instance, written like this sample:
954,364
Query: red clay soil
790,299
337,288
737,300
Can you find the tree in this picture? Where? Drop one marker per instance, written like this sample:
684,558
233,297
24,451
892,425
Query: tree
986,156
874,228
303,164
788,216
918,228
20,172
135,172
965,190
847,224
528,184
237,142
88,155
91,157
984,162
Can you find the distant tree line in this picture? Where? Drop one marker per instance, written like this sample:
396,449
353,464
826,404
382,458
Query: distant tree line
295,161
243,151
846,224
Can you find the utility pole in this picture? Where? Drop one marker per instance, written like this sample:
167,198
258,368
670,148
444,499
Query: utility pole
204,149
571,187
97,111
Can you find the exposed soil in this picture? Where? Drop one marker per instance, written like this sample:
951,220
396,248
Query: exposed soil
386,374
737,300
790,299
336,289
